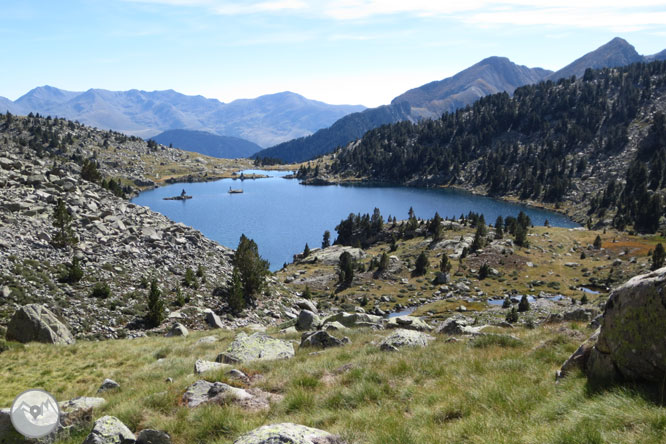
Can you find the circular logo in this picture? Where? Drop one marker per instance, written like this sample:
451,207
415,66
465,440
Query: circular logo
35,413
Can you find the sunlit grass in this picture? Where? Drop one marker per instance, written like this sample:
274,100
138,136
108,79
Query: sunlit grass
482,390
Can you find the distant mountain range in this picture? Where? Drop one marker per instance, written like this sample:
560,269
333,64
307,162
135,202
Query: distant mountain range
206,143
266,120
491,75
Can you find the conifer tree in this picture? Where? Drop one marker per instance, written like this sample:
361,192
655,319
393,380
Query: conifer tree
62,221
658,256
156,310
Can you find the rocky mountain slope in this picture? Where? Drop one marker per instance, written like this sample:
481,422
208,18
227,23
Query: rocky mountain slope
491,75
120,246
265,120
207,143
617,52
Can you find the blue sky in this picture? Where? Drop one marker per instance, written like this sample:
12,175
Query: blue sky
346,51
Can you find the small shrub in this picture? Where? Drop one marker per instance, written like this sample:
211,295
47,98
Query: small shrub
512,316
101,290
484,271
73,272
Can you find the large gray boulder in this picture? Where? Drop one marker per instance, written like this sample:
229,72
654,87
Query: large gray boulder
455,325
288,433
408,323
35,322
177,329
631,343
321,339
109,430
256,347
404,338
307,320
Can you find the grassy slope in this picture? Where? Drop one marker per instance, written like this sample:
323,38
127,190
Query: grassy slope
462,392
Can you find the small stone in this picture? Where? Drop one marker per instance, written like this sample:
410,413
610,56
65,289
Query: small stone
149,436
108,384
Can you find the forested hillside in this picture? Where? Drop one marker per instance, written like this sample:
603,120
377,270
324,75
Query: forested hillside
595,146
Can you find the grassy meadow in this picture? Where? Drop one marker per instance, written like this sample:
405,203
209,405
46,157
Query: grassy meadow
478,390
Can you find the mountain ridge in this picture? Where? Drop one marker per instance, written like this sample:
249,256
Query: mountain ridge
490,75
264,120
208,144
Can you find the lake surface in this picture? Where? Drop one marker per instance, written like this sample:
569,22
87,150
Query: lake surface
281,215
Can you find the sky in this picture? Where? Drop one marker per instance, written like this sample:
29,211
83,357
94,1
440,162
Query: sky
341,52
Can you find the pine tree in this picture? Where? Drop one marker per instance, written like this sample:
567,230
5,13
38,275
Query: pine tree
421,265
156,311
306,250
499,228
252,269
597,242
383,263
512,316
658,256
524,304
444,264
484,271
235,297
62,221
326,242
346,269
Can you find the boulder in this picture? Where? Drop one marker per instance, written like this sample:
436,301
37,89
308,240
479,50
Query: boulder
305,304
579,359
206,340
334,326
202,366
404,338
307,320
630,345
256,347
288,433
331,255
214,320
351,320
202,392
108,384
178,329
455,325
322,339
109,430
408,322
150,436
35,322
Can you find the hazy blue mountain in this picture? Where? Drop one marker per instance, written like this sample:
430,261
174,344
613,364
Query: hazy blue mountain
489,76
349,128
658,56
207,143
617,52
266,120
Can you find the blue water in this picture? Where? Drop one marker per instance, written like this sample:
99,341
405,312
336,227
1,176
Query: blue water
281,215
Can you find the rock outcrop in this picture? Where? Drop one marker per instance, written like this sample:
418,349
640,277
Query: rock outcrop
288,433
408,323
256,347
37,323
630,344
203,392
404,338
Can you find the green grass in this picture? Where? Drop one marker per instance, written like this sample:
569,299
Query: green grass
489,389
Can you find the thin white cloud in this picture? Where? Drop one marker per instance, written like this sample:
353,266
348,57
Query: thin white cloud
610,14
